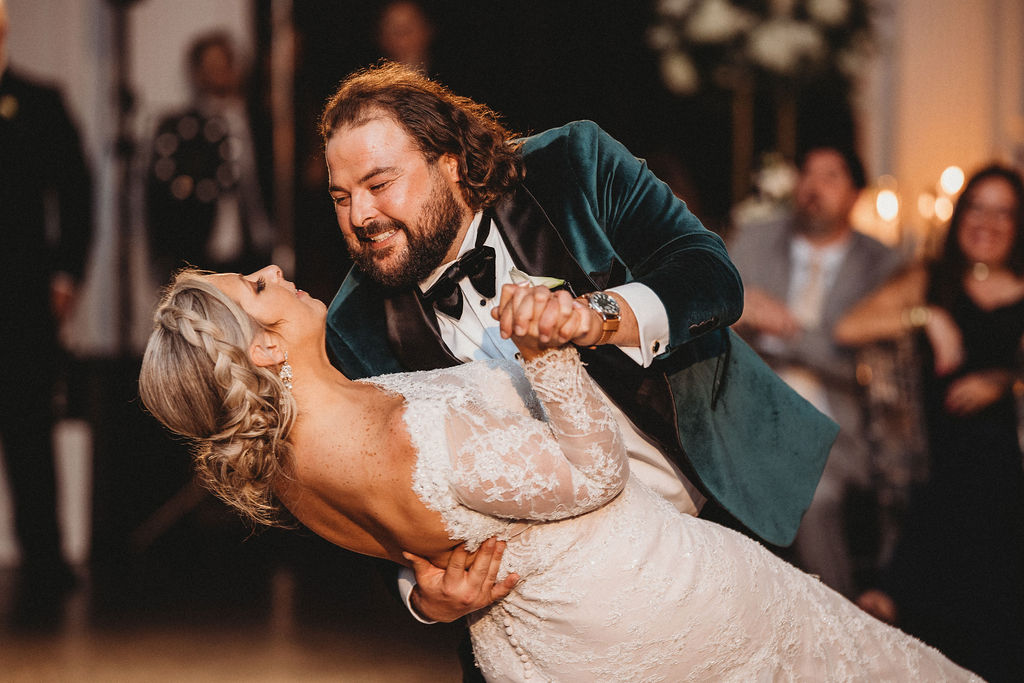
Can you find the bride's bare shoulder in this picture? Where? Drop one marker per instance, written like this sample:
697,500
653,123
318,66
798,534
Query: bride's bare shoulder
351,429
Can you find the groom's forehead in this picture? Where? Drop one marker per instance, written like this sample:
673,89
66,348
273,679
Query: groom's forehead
370,140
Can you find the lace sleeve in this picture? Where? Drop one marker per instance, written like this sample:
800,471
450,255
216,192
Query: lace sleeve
512,465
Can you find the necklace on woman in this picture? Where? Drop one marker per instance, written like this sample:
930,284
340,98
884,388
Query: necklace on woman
980,271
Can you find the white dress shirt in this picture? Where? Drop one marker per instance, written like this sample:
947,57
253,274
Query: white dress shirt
806,258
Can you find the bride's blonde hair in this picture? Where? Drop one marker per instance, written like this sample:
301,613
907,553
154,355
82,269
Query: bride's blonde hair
198,379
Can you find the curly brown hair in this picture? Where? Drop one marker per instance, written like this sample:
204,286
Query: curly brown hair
439,122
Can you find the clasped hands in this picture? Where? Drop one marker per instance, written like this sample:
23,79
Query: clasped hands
767,315
536,318
973,391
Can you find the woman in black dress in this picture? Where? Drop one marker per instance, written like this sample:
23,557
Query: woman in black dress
956,579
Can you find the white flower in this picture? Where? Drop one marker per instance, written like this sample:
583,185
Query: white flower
520,278
674,9
717,21
828,12
754,211
781,45
679,73
777,180
662,37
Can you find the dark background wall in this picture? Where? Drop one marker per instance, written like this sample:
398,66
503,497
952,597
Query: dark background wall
539,63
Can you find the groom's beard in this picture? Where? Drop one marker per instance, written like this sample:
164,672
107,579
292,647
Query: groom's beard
426,244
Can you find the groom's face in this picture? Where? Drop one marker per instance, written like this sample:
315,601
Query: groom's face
401,216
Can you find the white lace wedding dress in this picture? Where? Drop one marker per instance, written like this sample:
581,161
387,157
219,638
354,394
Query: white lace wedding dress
616,584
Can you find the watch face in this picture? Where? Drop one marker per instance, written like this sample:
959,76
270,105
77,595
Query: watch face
604,304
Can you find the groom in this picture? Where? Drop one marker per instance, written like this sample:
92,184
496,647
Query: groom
440,207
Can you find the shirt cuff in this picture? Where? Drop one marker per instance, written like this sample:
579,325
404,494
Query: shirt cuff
651,320
406,582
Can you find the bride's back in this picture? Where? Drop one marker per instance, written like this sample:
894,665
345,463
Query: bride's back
353,485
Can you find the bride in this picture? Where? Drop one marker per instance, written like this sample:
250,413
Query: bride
613,583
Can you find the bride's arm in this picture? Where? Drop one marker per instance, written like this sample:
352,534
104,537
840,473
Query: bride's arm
511,465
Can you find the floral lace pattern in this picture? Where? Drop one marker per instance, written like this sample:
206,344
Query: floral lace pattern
633,590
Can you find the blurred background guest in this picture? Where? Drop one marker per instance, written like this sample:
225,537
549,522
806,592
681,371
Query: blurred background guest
956,579
400,30
46,222
205,205
405,34
801,273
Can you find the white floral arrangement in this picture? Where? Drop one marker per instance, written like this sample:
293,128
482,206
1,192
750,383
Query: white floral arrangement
784,40
774,183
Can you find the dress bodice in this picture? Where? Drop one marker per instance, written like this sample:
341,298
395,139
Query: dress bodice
495,454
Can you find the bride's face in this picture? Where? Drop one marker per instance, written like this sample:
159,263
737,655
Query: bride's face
272,300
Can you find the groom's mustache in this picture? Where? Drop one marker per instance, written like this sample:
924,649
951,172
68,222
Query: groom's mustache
375,230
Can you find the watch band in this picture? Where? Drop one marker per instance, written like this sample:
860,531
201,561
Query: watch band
610,316
611,326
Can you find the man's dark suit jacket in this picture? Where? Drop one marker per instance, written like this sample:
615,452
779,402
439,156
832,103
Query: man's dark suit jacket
591,213
46,224
40,160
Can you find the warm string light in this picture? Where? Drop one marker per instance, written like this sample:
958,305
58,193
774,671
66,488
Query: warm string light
935,207
879,211
887,204
951,180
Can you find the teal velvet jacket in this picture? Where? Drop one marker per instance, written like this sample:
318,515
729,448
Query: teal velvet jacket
591,213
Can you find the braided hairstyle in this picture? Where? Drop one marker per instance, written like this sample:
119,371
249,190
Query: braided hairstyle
198,379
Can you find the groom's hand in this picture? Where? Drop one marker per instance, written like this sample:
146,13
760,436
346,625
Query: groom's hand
464,586
536,318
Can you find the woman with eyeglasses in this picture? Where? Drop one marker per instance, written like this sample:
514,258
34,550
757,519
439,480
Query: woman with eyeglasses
956,578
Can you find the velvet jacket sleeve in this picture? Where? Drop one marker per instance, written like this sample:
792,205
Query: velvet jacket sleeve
604,198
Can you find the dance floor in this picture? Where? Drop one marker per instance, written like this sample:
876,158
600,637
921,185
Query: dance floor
206,601
288,624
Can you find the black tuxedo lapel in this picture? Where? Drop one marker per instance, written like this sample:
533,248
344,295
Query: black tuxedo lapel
536,246
641,393
413,333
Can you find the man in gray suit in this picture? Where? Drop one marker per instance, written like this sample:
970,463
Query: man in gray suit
801,274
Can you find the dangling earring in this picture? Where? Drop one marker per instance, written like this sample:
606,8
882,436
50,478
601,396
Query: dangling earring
286,373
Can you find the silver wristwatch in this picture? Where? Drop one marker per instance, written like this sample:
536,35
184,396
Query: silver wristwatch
608,308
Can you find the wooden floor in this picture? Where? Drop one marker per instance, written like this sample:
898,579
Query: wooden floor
204,600
296,627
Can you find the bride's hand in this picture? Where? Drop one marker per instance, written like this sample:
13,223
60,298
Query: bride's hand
536,318
449,593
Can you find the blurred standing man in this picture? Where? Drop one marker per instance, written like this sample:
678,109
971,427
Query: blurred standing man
46,222
204,201
801,274
405,34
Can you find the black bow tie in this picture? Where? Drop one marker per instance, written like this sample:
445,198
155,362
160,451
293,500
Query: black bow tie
477,264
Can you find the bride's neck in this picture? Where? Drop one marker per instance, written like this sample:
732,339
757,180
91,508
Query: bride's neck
316,379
